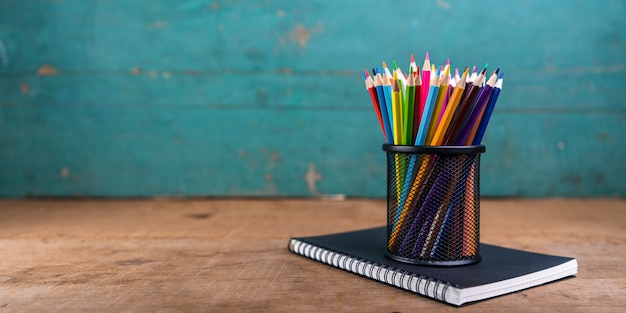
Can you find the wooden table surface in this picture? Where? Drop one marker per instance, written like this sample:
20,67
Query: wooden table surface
231,256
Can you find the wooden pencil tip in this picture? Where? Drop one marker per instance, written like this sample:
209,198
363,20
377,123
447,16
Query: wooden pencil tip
412,58
427,57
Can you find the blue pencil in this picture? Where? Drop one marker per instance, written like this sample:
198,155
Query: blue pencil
487,115
428,112
383,105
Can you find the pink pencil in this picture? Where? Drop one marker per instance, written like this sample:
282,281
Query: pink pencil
425,83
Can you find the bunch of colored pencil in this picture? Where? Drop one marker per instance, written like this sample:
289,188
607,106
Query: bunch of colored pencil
431,108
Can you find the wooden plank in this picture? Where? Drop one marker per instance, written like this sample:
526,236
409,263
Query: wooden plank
95,151
216,256
141,99
76,35
546,92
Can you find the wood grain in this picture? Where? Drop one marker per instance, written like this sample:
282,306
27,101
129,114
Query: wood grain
161,98
231,255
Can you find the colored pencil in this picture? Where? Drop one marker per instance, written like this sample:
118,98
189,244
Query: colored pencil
396,103
428,111
371,89
386,83
425,86
410,108
487,115
443,126
416,105
459,119
471,126
382,101
437,109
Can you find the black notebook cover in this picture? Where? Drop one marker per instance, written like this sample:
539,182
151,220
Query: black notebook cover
501,270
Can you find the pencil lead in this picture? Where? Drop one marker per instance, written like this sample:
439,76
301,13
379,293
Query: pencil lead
376,71
395,66
427,57
412,58
448,61
497,71
384,65
502,75
474,69
365,74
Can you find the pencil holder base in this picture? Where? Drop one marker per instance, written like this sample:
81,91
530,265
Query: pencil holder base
463,262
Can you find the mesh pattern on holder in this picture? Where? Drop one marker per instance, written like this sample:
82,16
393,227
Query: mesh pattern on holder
433,204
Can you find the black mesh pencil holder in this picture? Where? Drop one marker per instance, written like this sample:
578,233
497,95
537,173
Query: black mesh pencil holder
433,204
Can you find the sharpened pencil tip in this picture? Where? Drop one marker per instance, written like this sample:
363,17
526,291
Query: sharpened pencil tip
365,75
376,71
412,58
384,64
427,57
395,66
502,74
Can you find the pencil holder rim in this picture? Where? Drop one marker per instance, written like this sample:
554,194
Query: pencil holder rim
477,149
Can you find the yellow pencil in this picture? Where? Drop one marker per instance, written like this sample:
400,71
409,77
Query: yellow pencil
396,102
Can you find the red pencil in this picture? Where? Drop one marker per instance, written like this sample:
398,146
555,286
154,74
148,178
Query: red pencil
425,85
416,106
369,86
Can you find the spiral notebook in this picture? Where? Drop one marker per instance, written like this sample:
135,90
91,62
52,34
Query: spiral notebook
501,270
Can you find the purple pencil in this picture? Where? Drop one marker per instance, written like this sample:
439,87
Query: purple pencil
469,130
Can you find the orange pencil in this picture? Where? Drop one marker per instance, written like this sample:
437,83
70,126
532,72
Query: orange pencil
451,108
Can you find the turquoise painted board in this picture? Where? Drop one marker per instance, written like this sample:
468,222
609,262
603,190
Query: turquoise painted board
258,98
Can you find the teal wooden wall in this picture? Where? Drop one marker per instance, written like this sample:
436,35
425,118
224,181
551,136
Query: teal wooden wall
242,98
